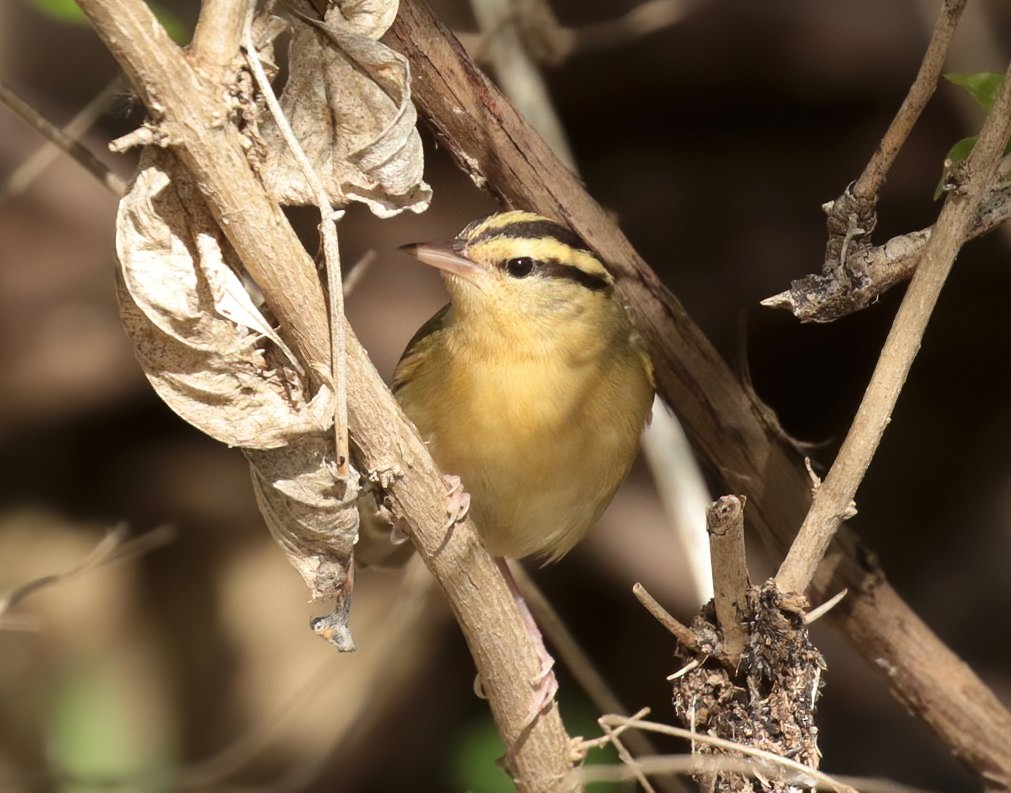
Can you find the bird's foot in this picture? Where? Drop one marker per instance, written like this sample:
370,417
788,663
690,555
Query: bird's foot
459,500
545,686
544,682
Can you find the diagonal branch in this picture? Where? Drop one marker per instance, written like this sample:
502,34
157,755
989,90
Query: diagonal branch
727,425
833,496
59,138
187,110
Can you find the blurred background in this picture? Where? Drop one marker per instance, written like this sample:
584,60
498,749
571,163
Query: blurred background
714,139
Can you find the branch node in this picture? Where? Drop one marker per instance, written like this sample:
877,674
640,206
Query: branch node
140,137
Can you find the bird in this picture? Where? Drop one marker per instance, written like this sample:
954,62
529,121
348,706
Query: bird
532,386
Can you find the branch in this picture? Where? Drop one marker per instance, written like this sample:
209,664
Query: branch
869,183
189,115
59,138
852,216
685,636
727,425
725,524
823,297
833,497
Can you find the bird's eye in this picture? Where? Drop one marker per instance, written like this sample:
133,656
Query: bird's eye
519,267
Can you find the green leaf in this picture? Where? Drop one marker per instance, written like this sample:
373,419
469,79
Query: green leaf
981,86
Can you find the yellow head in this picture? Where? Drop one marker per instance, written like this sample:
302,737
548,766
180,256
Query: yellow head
520,273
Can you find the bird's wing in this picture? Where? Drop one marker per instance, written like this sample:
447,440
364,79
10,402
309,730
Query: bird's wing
414,353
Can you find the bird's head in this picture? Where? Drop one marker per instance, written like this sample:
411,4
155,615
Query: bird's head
518,267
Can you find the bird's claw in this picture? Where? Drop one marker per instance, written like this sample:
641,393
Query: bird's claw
459,500
545,688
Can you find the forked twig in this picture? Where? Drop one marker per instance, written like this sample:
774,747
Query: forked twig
831,501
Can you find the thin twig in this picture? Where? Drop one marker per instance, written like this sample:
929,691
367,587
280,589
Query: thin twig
114,547
615,738
21,177
682,633
807,774
331,254
818,612
59,138
725,524
687,764
869,182
832,499
684,670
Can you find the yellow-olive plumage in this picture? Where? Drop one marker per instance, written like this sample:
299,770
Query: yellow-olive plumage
531,385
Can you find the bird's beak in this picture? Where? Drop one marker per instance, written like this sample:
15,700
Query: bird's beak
444,255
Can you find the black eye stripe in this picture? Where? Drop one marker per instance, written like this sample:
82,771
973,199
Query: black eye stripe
595,283
522,266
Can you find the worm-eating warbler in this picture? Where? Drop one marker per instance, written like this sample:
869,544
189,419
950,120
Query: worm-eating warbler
531,385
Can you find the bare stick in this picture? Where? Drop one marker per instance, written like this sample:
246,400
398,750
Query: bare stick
114,547
682,633
869,182
685,764
185,105
725,524
803,774
508,158
58,137
331,254
832,498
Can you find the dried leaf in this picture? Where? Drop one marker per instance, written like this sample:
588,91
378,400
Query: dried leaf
206,348
312,515
348,101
